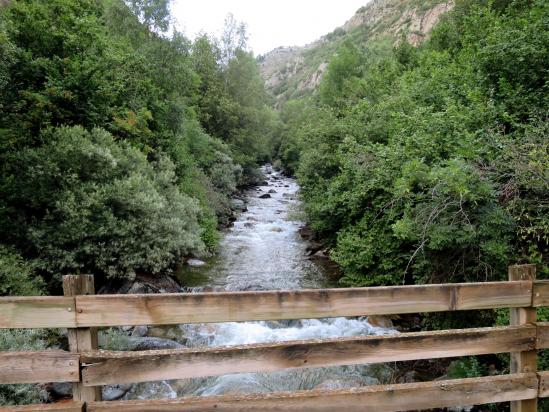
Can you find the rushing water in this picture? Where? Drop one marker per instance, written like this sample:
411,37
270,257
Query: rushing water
263,250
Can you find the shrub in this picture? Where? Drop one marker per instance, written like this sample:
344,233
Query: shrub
100,206
17,275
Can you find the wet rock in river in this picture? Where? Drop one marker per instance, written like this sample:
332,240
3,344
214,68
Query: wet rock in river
151,390
306,232
323,254
175,333
195,262
239,205
149,343
115,392
331,384
265,196
380,321
272,191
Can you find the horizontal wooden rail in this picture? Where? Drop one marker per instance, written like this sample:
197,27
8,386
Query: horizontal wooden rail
39,367
37,312
401,397
162,309
107,368
54,407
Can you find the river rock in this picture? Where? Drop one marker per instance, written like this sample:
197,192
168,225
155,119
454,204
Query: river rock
331,384
380,321
323,254
263,183
140,331
314,247
138,288
151,390
265,196
306,232
60,389
195,263
149,343
238,205
272,191
115,392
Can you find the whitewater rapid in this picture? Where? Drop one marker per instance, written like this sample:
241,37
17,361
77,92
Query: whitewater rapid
264,251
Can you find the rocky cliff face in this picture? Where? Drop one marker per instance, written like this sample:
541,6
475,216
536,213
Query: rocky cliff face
291,72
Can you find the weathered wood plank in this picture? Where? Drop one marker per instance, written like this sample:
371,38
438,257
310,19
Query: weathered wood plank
117,310
543,384
107,368
543,335
39,367
541,293
37,312
54,407
523,361
382,398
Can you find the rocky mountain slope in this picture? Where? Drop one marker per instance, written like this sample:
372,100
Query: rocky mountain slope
290,72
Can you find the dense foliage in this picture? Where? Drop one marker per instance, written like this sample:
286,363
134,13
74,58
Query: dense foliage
121,140
429,164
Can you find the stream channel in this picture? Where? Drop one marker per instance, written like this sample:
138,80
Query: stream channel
263,251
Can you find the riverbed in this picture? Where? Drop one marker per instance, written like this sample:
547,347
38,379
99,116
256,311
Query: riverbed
263,250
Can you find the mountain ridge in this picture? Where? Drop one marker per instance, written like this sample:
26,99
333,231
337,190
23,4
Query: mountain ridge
294,71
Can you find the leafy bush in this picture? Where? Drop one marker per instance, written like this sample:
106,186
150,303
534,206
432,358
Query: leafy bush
428,165
98,205
17,276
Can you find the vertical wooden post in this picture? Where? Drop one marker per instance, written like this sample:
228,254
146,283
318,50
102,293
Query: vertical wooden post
82,339
523,362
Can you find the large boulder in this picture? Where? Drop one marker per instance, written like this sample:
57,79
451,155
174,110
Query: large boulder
115,392
150,343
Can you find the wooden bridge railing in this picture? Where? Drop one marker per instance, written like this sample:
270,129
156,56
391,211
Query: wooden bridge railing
89,368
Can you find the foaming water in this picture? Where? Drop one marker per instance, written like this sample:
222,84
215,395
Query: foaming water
264,251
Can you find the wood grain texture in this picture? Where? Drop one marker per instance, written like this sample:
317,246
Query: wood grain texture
543,335
380,398
165,309
53,407
82,339
37,312
39,367
105,368
523,361
541,293
543,384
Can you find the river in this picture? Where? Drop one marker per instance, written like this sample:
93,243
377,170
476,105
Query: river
262,251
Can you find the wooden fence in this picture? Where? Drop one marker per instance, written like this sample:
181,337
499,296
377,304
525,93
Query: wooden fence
88,368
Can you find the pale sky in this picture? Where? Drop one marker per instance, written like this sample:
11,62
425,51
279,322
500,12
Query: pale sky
270,23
